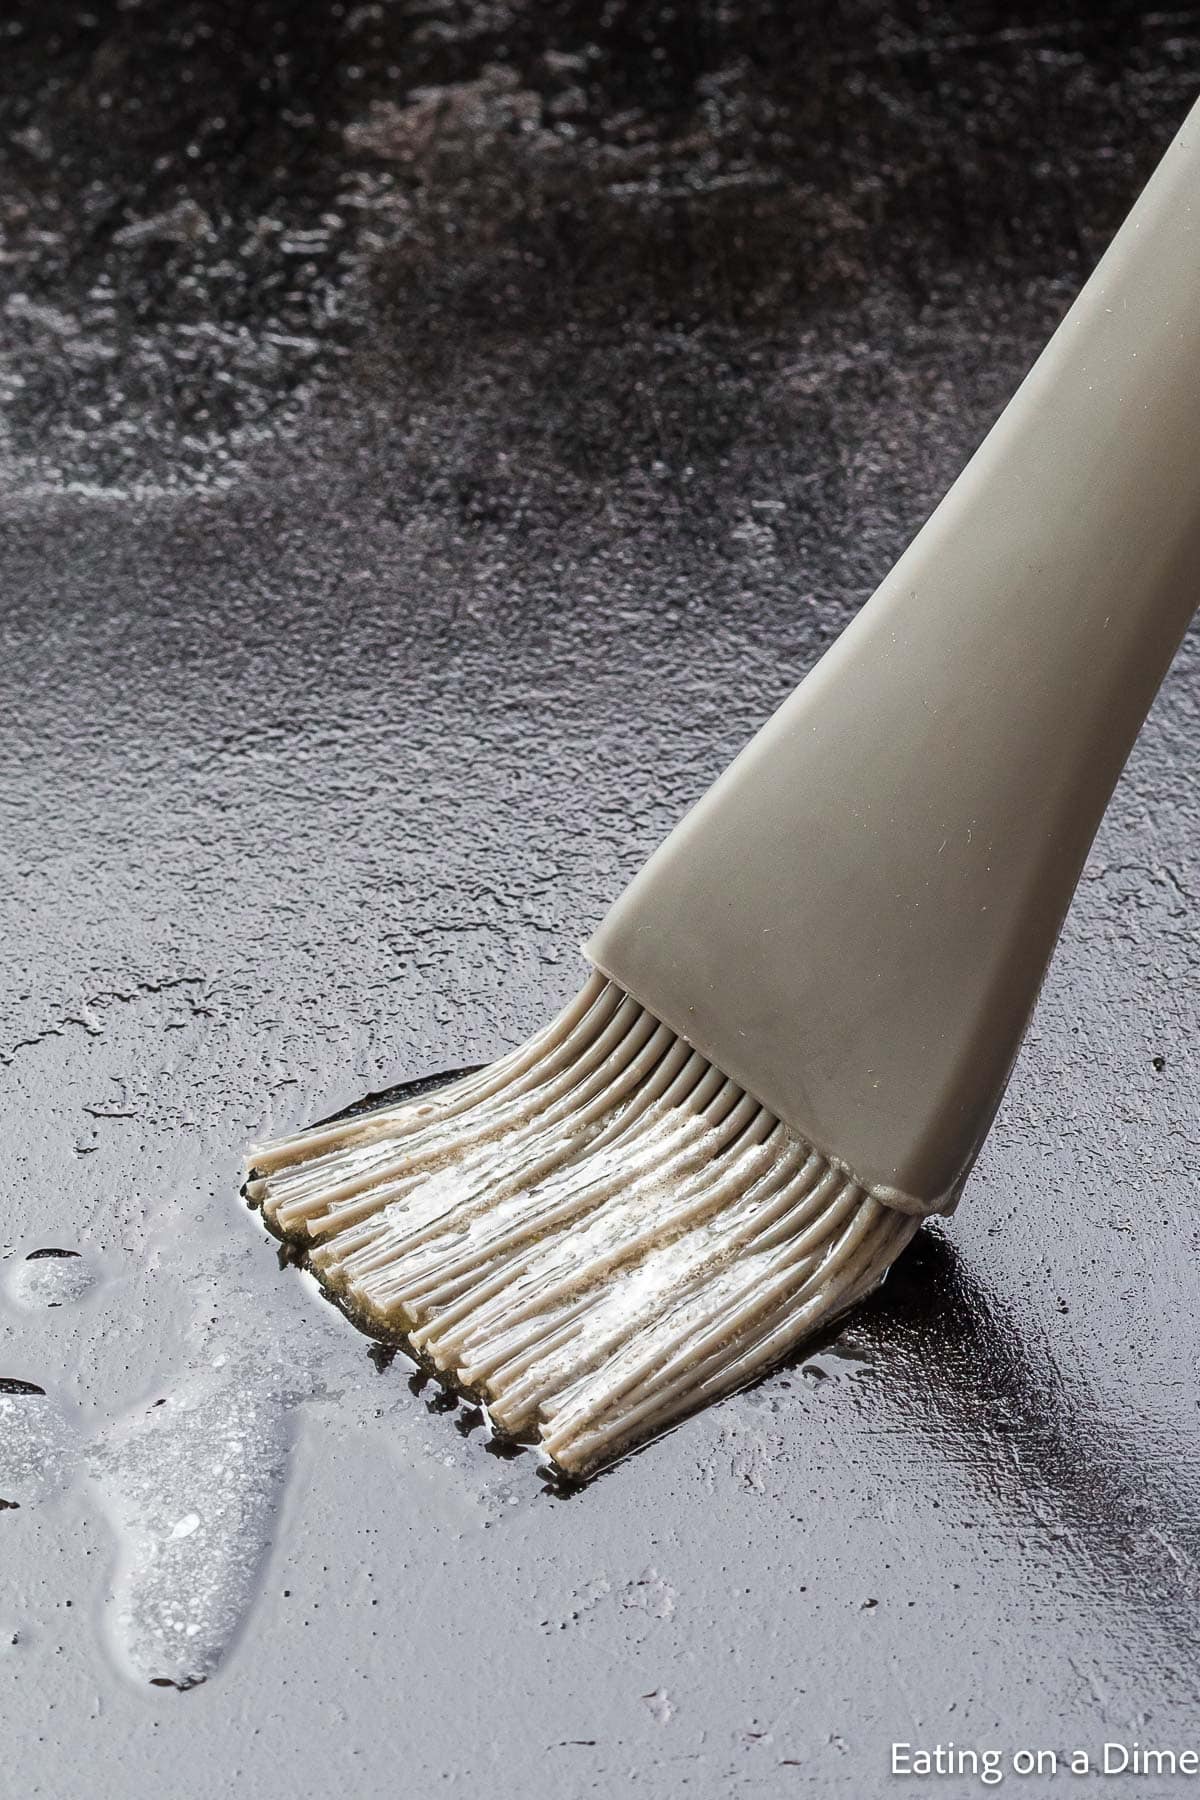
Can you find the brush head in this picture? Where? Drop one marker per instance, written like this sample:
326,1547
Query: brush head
595,1235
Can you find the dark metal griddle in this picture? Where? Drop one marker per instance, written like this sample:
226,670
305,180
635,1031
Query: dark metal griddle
431,438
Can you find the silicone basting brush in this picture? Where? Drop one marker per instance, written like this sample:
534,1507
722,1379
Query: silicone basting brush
803,1012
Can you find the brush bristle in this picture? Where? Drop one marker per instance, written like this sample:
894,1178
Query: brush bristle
597,1234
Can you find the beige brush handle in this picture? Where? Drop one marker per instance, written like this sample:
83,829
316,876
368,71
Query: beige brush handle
855,920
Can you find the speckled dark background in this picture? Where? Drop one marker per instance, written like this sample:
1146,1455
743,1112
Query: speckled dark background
432,437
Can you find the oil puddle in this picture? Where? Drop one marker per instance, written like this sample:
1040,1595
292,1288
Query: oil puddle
180,1438
49,1278
39,1446
192,1485
190,1478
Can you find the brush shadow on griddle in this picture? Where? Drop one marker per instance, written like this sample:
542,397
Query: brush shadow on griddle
1100,1490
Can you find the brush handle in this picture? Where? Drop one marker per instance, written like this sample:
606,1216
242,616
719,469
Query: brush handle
855,921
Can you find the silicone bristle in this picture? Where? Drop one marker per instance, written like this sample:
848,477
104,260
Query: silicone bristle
596,1234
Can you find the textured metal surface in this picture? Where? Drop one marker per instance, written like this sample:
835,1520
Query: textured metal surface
431,441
